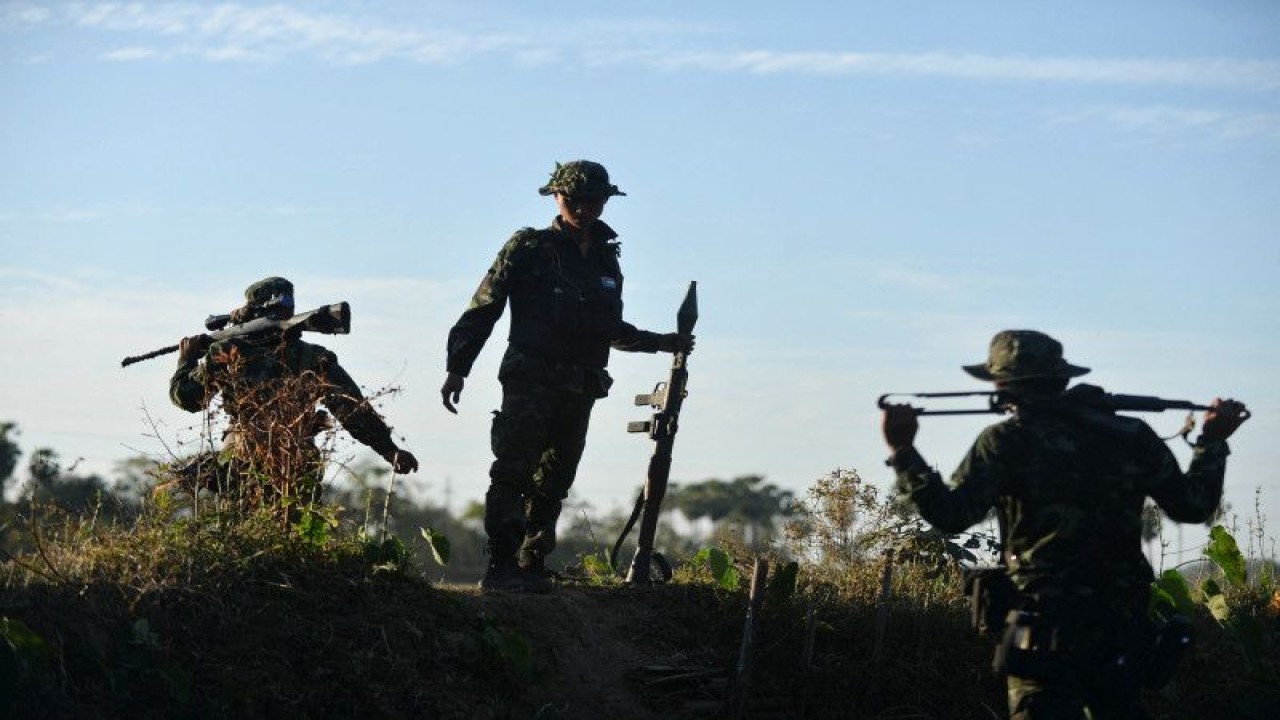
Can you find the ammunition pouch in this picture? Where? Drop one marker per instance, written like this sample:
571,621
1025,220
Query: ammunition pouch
1028,643
991,596
1029,647
1044,637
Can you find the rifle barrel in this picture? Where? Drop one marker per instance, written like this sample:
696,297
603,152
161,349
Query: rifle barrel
147,356
994,404
332,319
1148,403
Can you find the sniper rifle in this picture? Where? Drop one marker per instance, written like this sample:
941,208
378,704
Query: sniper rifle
332,319
667,398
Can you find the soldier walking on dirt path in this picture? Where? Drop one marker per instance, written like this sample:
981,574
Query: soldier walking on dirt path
1068,481
564,284
253,373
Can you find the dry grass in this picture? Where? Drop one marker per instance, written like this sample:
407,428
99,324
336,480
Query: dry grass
257,602
231,617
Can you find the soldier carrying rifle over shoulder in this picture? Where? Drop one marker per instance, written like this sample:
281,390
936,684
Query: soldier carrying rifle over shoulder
270,384
1068,482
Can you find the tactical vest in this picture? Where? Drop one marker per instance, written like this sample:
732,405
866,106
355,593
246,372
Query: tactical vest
563,306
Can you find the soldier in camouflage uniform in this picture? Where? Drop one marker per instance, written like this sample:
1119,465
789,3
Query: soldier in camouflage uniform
250,373
565,289
1068,485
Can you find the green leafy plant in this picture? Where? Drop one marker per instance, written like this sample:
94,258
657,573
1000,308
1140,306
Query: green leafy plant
22,651
316,523
1225,553
386,553
721,566
1171,595
439,544
1242,626
597,568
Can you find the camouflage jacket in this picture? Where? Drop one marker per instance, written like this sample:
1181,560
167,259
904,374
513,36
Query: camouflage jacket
1068,489
247,372
566,309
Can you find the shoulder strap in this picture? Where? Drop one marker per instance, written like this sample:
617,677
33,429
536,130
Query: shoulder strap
610,253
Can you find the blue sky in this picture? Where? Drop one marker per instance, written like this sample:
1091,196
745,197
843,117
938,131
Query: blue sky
865,192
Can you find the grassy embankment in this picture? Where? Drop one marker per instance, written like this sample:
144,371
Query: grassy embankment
228,611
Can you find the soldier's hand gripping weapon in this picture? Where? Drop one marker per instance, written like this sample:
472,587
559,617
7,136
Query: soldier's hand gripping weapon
332,319
667,399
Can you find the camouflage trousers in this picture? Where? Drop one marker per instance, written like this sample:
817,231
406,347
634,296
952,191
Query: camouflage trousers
538,437
1068,697
1097,671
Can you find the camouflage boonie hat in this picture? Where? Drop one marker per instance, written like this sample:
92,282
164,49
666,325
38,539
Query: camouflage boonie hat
1023,354
269,292
581,178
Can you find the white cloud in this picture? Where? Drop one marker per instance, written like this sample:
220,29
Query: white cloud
1258,75
1228,125
96,212
171,19
103,212
1167,120
232,32
126,54
237,33
21,13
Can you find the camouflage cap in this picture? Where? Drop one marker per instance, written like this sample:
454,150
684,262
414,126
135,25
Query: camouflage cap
1022,354
269,291
581,178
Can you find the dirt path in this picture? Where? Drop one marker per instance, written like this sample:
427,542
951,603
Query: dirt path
593,655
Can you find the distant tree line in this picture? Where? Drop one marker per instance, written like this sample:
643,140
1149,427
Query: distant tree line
745,508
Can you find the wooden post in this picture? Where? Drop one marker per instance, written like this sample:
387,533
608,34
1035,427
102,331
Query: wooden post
806,661
810,630
746,659
882,604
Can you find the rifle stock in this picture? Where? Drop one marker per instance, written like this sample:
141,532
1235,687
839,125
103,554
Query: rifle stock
332,319
667,398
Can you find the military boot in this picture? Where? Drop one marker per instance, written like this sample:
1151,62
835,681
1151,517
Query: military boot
535,575
502,575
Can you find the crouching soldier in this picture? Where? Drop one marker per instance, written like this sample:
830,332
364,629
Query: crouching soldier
270,384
